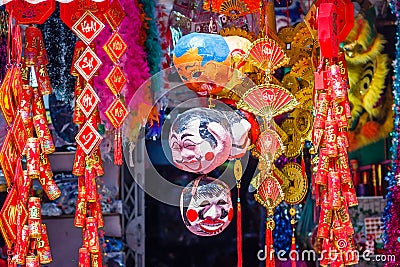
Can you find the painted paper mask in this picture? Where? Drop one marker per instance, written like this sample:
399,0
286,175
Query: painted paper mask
240,128
203,62
200,140
206,206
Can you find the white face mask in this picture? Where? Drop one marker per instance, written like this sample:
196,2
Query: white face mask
193,152
210,208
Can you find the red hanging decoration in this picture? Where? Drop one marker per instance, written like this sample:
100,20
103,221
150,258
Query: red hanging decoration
115,48
29,136
88,163
27,13
333,180
238,175
72,11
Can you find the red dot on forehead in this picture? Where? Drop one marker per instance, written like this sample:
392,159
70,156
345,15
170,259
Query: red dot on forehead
192,215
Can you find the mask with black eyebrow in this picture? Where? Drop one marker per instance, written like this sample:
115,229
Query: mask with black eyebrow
206,206
200,140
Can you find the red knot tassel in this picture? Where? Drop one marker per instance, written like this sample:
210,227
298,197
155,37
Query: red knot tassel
293,248
269,247
303,166
118,147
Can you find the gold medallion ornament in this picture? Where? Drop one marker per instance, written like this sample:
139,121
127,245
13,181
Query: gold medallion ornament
290,82
298,184
286,34
302,121
304,70
298,40
305,97
293,143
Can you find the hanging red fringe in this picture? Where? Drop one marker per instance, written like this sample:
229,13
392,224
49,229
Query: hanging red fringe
303,165
269,249
239,229
293,248
118,147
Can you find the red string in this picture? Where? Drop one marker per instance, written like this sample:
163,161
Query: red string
239,229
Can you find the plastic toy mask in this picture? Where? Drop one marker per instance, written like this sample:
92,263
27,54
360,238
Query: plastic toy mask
200,140
206,206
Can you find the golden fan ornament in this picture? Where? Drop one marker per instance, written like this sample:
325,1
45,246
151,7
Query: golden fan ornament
267,100
232,8
266,55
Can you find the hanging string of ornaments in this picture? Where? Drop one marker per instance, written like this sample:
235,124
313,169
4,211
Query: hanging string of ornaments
27,144
88,162
115,48
333,182
222,139
29,139
391,213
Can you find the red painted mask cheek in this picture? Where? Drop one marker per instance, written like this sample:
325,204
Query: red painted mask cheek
192,215
230,214
209,156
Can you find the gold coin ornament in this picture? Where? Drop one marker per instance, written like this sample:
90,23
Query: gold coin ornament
298,184
290,82
305,98
235,31
293,143
303,70
302,121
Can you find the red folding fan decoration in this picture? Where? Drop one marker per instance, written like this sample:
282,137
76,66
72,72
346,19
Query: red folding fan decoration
266,55
270,145
267,100
269,193
232,8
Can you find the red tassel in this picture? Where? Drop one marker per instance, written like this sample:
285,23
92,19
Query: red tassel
239,229
293,248
303,165
118,147
269,249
